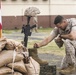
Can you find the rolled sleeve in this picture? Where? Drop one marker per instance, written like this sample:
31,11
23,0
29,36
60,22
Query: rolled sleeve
73,32
73,28
54,33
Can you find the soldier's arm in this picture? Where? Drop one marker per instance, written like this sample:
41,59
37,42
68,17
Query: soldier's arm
71,35
44,42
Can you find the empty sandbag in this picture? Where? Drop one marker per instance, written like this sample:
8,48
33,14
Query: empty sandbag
33,67
12,44
6,57
5,70
18,66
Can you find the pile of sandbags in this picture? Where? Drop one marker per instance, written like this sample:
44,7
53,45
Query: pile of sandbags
12,57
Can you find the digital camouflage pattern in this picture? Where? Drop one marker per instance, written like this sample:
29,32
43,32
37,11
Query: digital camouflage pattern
31,11
70,45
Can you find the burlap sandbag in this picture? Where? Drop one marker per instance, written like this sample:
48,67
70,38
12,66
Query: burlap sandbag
12,44
2,44
15,73
18,66
33,67
5,70
6,57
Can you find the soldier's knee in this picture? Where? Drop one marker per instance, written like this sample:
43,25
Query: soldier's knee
67,43
67,40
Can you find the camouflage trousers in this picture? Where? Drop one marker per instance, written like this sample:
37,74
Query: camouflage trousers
70,57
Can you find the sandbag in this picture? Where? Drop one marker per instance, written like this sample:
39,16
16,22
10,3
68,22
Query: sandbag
6,57
15,73
33,67
5,70
3,38
2,44
12,44
18,66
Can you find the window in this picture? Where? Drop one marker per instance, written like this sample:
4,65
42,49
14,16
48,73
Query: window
45,0
3,0
24,0
13,0
34,0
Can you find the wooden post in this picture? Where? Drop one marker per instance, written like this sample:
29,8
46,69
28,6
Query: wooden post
0,21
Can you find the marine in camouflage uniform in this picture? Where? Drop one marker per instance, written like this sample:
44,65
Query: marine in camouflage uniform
65,33
70,45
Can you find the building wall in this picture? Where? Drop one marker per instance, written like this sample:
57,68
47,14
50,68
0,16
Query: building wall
63,7
17,8
13,11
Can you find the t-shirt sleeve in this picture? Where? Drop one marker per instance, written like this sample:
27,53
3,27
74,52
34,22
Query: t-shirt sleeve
74,28
54,32
73,32
73,21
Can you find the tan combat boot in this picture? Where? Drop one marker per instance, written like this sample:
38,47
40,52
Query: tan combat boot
33,52
68,70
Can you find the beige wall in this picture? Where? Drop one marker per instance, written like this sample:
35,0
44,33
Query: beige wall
17,10
63,7
49,7
25,2
18,7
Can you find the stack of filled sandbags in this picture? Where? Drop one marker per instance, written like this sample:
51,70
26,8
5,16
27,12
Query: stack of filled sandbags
12,57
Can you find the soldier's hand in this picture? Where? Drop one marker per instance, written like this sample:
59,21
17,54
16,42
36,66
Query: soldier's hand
58,39
36,45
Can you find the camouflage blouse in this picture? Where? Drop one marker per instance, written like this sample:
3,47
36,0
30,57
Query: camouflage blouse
70,27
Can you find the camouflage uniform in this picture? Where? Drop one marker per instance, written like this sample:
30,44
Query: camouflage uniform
70,45
32,12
